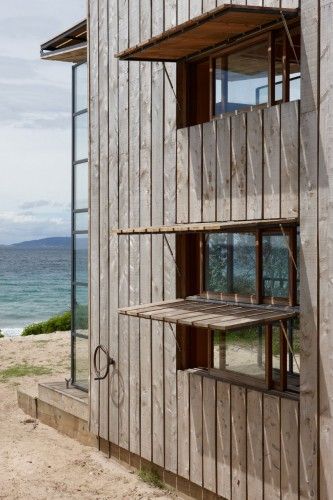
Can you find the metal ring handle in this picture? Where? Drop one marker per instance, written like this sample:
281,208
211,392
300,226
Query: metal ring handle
110,362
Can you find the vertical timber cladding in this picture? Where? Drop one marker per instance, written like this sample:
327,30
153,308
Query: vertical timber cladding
228,440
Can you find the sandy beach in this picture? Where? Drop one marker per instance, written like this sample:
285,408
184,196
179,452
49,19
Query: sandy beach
36,461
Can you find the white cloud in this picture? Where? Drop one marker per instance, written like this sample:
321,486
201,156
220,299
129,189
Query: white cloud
35,140
16,227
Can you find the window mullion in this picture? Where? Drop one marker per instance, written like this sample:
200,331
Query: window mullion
268,356
285,69
258,267
283,356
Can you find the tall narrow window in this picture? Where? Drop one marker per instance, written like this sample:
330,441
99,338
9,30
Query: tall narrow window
80,352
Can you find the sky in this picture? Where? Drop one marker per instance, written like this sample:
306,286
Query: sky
35,134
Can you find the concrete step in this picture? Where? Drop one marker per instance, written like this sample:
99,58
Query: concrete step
71,400
66,410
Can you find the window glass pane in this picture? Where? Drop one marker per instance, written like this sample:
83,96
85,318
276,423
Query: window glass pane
81,310
81,186
293,361
242,79
294,59
81,137
241,351
275,265
279,69
81,221
298,261
81,362
276,351
80,88
231,263
81,258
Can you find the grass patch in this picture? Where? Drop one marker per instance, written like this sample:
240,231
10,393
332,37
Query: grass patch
151,477
60,323
23,371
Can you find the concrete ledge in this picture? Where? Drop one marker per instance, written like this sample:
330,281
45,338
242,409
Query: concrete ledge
60,408
69,400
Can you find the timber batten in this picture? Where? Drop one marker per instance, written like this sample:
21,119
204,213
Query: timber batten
207,227
205,314
206,32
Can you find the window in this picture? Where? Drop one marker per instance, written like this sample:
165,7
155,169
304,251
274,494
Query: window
80,351
263,71
258,267
259,356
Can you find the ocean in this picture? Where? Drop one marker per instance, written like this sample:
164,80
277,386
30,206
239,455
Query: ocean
34,285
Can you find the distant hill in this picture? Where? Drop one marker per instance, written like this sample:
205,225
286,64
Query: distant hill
59,242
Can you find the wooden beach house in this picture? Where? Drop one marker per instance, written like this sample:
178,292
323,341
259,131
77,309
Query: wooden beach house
210,287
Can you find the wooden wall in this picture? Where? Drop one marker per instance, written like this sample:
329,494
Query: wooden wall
230,440
240,167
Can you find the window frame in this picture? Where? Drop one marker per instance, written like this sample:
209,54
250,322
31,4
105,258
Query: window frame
258,298
75,284
268,383
185,88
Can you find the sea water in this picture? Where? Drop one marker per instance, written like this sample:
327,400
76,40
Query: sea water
34,285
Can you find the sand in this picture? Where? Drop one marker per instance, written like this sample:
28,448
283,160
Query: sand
37,462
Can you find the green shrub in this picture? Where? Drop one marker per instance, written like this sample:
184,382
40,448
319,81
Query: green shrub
60,323
1,335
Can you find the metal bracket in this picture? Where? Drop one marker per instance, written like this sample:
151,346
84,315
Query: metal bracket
110,361
68,381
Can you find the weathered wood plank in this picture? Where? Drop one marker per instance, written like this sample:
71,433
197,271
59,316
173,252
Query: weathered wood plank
195,8
254,164
183,420
309,253
123,222
325,186
254,445
146,389
170,398
145,241
182,175
158,393
272,162
196,445
209,434
113,216
183,11
170,14
238,167
209,172
157,355
94,210
223,172
223,439
289,449
103,209
208,5
289,159
195,174
134,218
272,449
170,144
238,442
